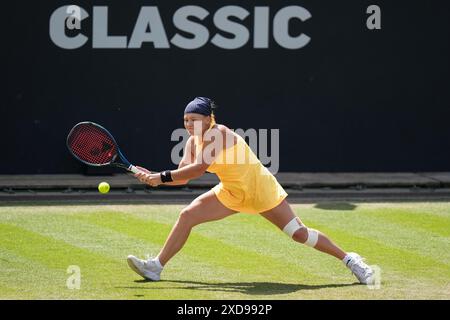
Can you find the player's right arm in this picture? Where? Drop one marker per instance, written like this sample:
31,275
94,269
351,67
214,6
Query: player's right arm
188,158
188,155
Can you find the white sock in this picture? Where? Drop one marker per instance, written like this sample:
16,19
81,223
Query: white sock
346,259
158,264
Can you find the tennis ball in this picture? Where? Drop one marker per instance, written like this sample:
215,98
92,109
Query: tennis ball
103,187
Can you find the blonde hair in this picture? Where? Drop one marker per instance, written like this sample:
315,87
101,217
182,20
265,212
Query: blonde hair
213,120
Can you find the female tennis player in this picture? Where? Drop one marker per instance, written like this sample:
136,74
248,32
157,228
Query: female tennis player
245,186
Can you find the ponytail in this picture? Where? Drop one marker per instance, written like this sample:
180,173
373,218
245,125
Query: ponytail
213,120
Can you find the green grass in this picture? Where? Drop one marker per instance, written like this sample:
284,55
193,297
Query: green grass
241,257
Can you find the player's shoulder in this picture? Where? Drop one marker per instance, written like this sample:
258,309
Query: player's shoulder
223,129
226,132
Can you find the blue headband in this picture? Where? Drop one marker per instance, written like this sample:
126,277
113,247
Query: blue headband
200,105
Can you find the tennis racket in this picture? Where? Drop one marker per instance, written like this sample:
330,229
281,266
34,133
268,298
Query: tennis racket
95,146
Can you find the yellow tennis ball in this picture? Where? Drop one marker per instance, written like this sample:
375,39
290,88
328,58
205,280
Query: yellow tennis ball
103,187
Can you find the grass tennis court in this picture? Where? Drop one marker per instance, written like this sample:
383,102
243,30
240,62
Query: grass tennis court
241,257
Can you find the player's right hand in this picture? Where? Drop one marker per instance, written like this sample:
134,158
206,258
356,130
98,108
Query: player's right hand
143,169
142,174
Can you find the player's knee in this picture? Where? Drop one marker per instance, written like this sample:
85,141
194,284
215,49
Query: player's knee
186,217
301,235
307,236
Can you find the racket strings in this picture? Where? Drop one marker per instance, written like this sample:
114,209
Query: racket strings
92,145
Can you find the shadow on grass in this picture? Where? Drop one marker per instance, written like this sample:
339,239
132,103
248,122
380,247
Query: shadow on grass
250,288
336,206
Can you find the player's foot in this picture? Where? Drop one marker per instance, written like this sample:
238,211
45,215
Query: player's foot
148,269
359,268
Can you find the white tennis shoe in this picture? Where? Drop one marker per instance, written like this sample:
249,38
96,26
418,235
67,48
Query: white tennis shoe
147,269
360,269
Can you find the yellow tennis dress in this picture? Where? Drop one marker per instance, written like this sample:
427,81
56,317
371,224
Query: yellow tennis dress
245,184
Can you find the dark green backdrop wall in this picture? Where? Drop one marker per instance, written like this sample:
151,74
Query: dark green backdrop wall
352,99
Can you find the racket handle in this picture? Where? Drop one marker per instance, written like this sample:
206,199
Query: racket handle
133,169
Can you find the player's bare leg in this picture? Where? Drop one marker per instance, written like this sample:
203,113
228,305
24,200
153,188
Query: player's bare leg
282,214
284,218
203,209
